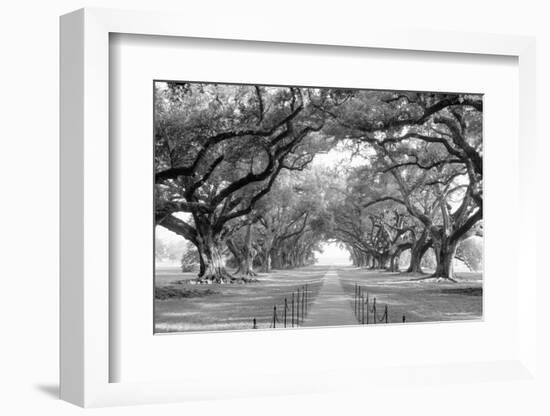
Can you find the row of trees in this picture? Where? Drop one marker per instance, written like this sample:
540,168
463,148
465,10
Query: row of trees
234,173
422,184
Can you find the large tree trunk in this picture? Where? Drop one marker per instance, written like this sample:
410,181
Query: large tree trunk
358,258
373,263
214,262
384,261
444,255
418,250
398,250
247,268
366,260
416,258
266,265
211,255
244,262
276,260
266,254
202,267
232,246
394,261
354,258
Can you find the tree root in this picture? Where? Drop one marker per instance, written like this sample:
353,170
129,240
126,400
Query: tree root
223,278
248,273
434,276
244,277
245,280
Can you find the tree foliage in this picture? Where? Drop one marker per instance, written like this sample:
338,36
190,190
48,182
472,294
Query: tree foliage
240,160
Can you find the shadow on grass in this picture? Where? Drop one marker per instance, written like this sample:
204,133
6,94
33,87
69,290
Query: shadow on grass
468,291
234,307
171,292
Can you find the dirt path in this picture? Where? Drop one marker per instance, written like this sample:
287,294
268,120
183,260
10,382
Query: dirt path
332,306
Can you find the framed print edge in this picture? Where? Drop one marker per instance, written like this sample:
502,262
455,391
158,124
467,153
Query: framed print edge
71,208
85,352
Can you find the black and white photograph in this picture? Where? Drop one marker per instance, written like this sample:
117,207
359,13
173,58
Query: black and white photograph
266,209
289,207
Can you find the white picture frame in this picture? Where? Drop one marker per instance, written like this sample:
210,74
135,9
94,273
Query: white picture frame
85,264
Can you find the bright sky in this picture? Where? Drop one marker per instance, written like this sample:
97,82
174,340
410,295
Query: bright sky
332,254
336,156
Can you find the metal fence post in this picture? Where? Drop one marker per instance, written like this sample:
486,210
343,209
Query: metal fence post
292,310
386,312
362,310
359,294
306,297
355,301
274,316
298,308
303,303
286,307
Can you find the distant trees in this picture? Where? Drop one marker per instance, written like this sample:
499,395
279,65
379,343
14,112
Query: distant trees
238,159
375,237
190,258
288,218
168,251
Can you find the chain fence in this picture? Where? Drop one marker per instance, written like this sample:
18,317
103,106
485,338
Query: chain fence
366,309
293,310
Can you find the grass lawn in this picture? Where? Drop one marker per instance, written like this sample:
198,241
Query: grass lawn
229,306
419,301
182,307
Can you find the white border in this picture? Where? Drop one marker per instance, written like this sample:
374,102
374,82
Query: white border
137,60
85,199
